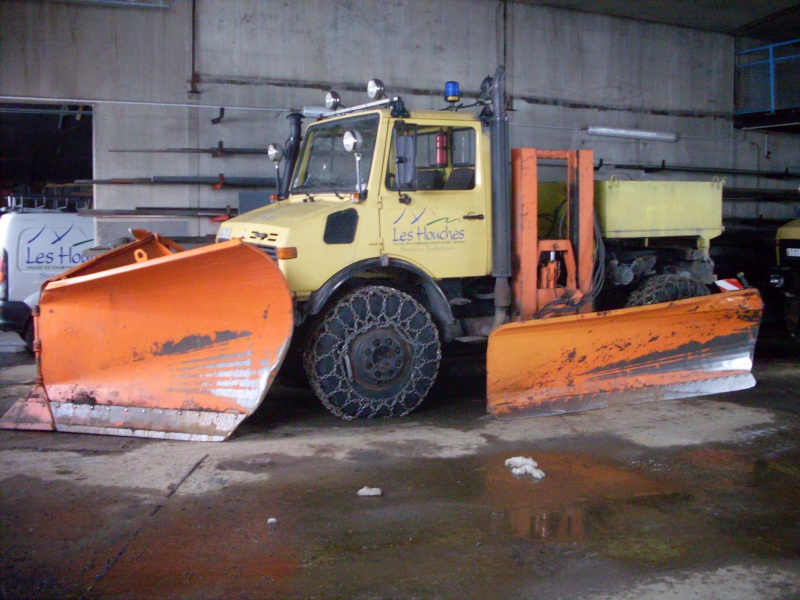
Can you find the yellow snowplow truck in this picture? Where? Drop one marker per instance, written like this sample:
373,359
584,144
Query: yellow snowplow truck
396,233
786,274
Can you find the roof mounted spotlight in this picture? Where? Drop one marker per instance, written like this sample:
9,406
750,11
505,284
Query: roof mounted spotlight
332,100
376,89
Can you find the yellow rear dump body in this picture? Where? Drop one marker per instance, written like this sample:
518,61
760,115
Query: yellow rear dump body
650,210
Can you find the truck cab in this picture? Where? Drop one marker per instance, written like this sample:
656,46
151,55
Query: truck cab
352,215
384,237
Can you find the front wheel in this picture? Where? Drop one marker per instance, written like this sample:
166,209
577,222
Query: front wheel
375,353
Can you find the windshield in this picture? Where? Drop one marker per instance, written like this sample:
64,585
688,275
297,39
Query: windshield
324,164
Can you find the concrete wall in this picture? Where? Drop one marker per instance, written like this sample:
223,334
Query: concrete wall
566,70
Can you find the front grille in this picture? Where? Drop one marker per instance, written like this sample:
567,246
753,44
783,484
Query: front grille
271,251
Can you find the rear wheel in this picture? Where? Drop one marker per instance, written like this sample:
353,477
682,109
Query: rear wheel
375,353
666,288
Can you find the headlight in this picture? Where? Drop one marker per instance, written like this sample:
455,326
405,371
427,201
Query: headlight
223,234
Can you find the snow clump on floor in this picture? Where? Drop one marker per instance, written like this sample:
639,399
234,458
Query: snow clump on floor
521,466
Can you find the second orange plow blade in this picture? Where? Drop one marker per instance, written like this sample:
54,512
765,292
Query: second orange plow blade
664,351
182,346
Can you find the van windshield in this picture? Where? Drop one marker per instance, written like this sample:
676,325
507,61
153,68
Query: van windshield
325,166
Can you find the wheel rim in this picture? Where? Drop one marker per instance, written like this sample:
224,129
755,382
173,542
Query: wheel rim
379,358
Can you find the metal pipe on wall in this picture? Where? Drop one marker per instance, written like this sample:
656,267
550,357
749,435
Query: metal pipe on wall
132,103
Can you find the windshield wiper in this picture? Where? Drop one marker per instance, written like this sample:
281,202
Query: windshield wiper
303,189
331,188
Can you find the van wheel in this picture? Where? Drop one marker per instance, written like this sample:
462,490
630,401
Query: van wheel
666,288
28,335
375,353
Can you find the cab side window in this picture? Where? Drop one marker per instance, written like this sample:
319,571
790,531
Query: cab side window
445,158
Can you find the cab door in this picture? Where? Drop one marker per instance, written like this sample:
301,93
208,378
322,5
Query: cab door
435,213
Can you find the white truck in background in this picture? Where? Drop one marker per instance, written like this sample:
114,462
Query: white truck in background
40,236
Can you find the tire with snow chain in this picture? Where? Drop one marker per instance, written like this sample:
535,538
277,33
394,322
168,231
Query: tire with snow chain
666,288
374,353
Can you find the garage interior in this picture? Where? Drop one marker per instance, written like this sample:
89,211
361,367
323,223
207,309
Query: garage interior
167,107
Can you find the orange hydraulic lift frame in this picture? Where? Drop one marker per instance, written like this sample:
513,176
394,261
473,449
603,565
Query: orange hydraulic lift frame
531,290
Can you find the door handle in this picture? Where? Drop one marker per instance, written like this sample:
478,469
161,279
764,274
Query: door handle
471,217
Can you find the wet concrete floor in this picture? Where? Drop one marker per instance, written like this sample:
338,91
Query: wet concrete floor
695,498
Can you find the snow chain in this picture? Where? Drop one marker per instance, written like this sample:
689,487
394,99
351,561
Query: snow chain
363,310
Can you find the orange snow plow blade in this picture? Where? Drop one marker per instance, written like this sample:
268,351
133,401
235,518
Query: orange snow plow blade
144,342
663,351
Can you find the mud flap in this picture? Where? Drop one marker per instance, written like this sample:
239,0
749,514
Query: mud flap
664,351
183,346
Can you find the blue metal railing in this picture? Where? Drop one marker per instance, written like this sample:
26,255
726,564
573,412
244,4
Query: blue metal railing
768,78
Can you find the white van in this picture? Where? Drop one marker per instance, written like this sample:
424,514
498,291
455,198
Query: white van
36,244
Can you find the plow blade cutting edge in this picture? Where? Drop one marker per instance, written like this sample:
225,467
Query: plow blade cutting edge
143,342
644,354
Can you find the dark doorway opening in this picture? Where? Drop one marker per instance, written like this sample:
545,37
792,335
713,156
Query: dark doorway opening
43,143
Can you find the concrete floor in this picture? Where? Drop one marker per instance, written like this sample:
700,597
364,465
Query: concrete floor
686,499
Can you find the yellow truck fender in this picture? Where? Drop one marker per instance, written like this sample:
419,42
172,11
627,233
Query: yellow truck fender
435,300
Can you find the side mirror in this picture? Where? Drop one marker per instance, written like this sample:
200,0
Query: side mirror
275,152
353,142
406,161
